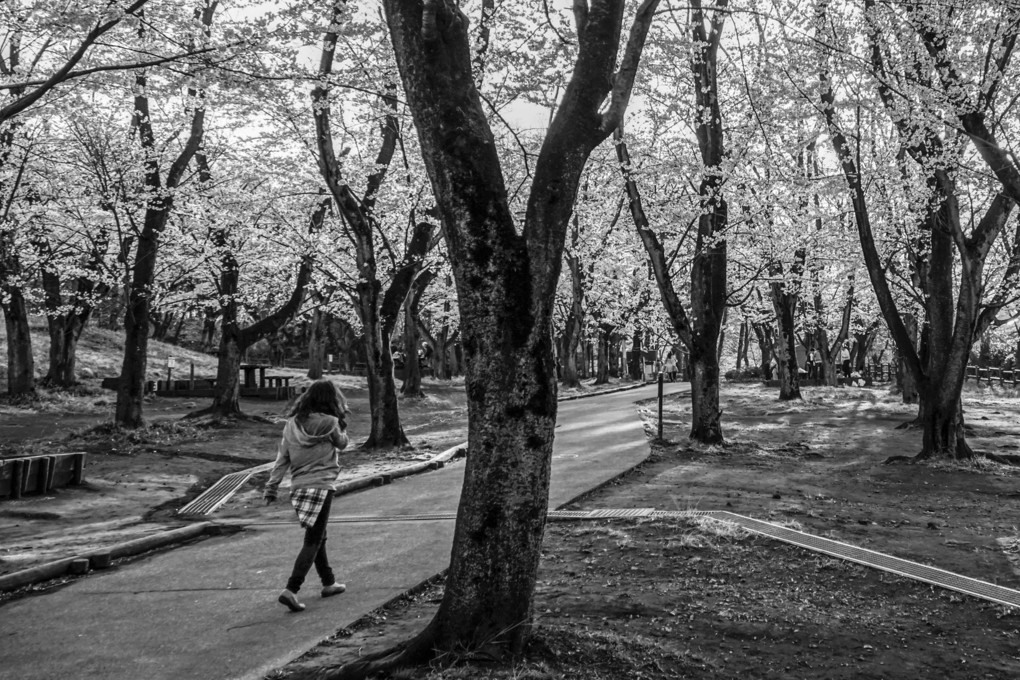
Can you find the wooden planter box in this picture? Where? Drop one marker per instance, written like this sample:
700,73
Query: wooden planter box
40,474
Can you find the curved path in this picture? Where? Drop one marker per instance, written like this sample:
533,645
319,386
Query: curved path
209,610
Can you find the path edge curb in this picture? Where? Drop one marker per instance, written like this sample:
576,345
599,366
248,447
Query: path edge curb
102,556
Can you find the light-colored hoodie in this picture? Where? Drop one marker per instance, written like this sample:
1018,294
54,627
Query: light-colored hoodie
309,450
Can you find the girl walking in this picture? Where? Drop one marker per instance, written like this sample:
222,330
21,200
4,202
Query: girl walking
312,439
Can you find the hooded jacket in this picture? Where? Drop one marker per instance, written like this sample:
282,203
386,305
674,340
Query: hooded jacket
309,450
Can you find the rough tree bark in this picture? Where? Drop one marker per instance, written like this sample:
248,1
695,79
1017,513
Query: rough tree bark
828,352
506,284
20,362
158,208
708,272
765,335
235,339
316,344
66,319
21,96
602,359
378,310
950,327
571,336
412,386
785,296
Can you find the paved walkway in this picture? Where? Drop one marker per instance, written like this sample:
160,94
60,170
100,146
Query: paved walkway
209,610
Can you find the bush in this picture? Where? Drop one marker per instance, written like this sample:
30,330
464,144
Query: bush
752,374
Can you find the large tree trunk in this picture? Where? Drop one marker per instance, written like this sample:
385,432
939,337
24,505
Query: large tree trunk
572,326
906,381
602,363
157,212
506,284
441,355
65,322
131,389
20,363
785,296
787,366
412,386
235,339
227,401
378,311
766,346
65,332
950,327
209,327
701,332
316,344
708,271
942,426
705,413
743,342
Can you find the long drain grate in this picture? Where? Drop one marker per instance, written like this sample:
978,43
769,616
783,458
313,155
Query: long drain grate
852,553
553,515
877,560
219,493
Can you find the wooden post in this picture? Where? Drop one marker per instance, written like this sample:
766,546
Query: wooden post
660,406
45,467
79,469
16,478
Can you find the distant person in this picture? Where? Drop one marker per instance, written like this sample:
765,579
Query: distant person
670,368
312,440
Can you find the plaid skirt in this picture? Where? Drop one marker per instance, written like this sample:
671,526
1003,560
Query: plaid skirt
307,504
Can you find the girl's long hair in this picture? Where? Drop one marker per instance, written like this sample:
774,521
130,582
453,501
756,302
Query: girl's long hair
322,396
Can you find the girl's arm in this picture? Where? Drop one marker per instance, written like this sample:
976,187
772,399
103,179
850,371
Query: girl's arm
339,437
279,470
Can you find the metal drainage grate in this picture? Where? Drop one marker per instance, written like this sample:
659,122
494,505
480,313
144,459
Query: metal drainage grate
877,560
352,519
219,493
552,515
620,514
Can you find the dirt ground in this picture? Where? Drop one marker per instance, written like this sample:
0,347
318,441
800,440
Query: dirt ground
697,599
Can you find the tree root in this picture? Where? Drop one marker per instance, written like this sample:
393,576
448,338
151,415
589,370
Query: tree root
1002,459
214,414
909,425
417,651
909,460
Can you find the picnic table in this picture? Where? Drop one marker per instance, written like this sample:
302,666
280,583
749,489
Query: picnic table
249,374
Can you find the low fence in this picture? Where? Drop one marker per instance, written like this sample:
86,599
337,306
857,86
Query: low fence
881,373
993,375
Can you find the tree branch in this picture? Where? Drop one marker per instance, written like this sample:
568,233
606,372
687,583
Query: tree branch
101,27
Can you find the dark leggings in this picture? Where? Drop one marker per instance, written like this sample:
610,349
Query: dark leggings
313,552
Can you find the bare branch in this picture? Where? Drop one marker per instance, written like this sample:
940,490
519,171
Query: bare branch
623,81
101,27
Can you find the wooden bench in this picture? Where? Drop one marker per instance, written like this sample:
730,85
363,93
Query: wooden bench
40,474
280,383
